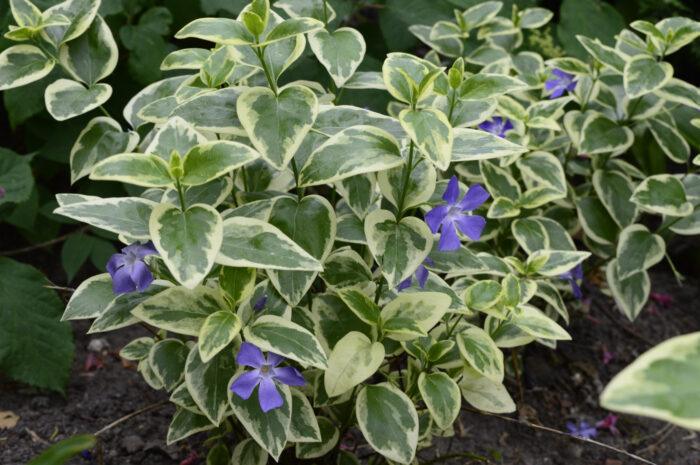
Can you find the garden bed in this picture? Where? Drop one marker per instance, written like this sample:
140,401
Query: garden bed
558,386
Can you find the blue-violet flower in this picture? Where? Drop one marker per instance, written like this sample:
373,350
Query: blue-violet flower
563,81
452,215
260,304
572,275
128,269
584,431
421,275
265,374
497,126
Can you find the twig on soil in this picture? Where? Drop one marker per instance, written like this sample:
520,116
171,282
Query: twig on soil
131,415
561,433
41,245
661,439
35,437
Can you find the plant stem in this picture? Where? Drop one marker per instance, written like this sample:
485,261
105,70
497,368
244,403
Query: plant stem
452,105
676,274
325,13
664,227
181,194
378,293
261,57
300,191
132,415
406,179
41,245
449,331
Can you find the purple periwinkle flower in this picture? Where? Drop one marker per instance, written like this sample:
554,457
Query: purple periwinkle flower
664,300
2,192
86,454
572,275
265,374
584,431
260,304
452,215
128,269
421,275
497,126
609,423
563,81
608,356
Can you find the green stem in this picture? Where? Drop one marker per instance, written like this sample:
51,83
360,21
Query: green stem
449,331
300,191
181,194
679,277
406,179
664,227
452,104
337,98
325,13
245,178
378,293
261,57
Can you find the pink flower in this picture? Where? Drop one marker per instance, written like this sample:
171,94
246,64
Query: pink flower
664,300
607,356
609,424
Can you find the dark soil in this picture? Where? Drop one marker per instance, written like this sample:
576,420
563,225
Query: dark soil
559,386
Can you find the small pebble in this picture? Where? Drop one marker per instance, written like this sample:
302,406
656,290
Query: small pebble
97,345
132,443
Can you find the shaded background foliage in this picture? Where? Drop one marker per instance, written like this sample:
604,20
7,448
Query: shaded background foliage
144,30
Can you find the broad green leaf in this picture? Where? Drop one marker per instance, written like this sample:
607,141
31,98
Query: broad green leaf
374,150
477,347
597,223
388,421
662,194
275,334
180,310
484,394
153,92
661,383
631,293
643,74
213,159
21,65
289,28
208,382
471,144
345,268
397,71
92,56
269,429
360,192
311,224
187,241
213,111
101,138
536,323
176,135
419,188
66,99
614,190
559,261
80,13
304,427
35,348
235,283
600,134
680,92
499,181
24,12
483,295
16,177
604,54
442,397
186,423
484,85
218,330
361,305
133,168
137,349
90,298
167,360
218,67
329,438
249,242
399,247
277,124
670,140
432,134
63,450
249,452
118,313
424,308
186,58
128,215
219,30
340,52
353,359
638,250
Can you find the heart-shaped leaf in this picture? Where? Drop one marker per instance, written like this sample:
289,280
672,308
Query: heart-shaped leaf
340,52
66,99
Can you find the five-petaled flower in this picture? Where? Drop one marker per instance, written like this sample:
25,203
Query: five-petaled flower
498,126
563,81
572,275
421,275
265,374
128,269
609,424
452,215
584,431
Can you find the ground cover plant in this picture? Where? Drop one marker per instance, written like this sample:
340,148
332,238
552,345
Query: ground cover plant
311,267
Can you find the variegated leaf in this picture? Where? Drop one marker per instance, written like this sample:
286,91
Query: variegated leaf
536,323
353,359
90,299
118,312
275,334
176,135
186,423
92,56
133,168
631,293
442,397
186,58
423,308
484,394
662,194
615,190
431,132
23,64
208,382
290,28
329,438
249,452
304,426
210,160
637,250
643,74
477,347
600,134
397,67
80,13
219,30
470,145
167,360
419,188
66,99
128,215
484,85
213,111
340,52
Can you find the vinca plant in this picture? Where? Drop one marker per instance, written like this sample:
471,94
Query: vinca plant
310,267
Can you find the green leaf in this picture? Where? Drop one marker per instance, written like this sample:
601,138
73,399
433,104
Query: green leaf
477,347
662,194
638,250
661,383
359,192
532,18
643,74
80,13
35,348
156,91
67,99
631,293
118,313
484,85
24,12
210,160
269,429
374,149
388,421
236,284
186,58
187,241
442,397
596,221
137,349
311,224
250,242
670,140
218,67
536,323
127,216
680,92
601,52
289,28
212,111
329,438
353,359
602,22
304,426
550,294
176,135
180,310
399,247
92,56
15,177
74,253
186,423
90,298
208,382
60,452
248,452
483,295
277,124
21,65
480,13
167,360
419,188
399,69
543,170
499,181
275,334
218,330
484,394
432,133
361,305
614,190
316,9
340,52
424,308
559,261
470,145
133,168
220,30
